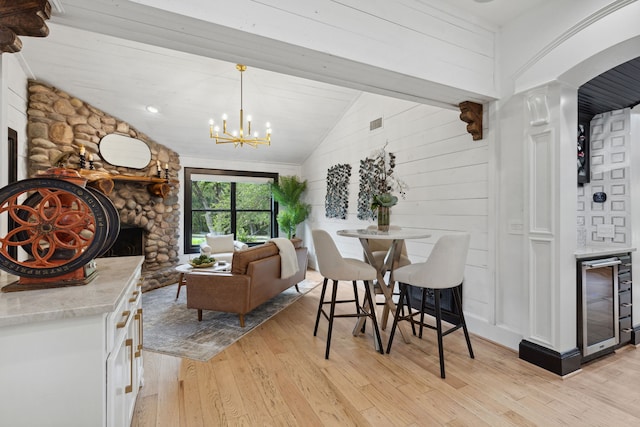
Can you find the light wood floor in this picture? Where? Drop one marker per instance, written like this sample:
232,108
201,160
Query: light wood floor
277,376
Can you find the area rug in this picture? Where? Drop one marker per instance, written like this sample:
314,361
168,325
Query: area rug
172,328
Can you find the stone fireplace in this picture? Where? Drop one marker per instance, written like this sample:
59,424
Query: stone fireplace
58,124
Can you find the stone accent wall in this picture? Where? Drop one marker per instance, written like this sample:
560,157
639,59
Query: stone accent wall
59,123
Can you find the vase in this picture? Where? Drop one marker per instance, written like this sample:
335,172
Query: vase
384,213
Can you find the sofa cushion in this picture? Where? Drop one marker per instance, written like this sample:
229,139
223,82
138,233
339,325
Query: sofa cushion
219,244
242,259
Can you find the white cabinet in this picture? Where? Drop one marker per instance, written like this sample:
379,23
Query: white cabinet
124,363
72,356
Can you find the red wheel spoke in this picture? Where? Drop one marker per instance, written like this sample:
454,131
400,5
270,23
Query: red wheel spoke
7,240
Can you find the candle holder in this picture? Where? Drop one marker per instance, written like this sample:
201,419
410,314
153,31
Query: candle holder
166,174
91,167
82,161
158,173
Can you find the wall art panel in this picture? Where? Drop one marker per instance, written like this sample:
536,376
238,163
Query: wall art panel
337,199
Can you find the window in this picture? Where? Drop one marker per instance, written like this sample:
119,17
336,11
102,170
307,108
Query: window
228,202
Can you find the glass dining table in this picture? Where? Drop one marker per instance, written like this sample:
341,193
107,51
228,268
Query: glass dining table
397,238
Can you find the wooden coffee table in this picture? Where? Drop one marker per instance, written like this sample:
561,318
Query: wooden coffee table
187,268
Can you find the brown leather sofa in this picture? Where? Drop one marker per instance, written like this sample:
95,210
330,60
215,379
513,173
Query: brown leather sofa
253,280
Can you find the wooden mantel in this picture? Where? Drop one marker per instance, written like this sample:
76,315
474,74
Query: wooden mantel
22,18
104,182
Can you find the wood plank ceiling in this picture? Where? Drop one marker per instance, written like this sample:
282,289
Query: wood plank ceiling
615,89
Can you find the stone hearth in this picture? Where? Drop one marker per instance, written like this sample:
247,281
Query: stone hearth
59,123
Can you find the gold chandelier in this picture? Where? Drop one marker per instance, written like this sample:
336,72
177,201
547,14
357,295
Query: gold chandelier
238,138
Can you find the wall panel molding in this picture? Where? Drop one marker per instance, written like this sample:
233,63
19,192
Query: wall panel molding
541,262
541,182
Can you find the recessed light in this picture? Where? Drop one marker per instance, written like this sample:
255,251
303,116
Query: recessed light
152,109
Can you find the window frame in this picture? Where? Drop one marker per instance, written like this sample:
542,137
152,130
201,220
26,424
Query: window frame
189,248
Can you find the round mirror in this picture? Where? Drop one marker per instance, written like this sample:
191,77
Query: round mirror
122,150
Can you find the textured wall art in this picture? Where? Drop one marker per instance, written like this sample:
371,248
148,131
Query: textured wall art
368,169
337,200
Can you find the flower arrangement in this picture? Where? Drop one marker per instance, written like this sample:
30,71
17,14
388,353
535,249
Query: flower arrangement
384,182
378,183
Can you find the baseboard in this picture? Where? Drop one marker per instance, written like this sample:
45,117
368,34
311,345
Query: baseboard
635,335
559,363
498,334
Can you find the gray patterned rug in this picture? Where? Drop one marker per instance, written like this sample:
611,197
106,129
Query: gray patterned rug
172,328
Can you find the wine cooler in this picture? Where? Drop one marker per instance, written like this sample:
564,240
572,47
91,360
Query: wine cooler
598,307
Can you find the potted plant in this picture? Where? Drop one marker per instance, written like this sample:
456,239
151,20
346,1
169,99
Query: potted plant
288,192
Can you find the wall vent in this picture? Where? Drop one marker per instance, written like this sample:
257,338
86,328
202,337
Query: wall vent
375,124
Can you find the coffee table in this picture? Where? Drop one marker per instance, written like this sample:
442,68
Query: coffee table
183,269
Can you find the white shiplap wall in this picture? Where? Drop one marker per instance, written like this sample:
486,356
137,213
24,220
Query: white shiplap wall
445,169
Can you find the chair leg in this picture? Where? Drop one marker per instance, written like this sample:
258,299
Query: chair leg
368,289
456,295
331,314
403,295
297,288
423,301
324,289
436,293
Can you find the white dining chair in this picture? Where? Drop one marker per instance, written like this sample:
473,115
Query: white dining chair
336,268
444,269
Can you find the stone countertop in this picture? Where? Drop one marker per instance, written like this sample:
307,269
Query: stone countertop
595,251
98,296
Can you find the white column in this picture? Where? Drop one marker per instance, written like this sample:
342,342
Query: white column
550,188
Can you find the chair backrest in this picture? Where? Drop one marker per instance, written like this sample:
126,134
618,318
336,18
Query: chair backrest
327,253
445,266
376,245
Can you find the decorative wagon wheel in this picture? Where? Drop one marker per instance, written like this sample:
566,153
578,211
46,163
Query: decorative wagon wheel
112,217
62,226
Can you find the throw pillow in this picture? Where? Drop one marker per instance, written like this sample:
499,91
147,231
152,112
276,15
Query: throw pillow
220,244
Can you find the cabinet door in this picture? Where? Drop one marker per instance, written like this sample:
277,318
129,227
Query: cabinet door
120,381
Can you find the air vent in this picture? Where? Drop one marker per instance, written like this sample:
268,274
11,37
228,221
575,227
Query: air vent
375,124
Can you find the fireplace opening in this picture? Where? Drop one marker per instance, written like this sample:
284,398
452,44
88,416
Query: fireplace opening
130,242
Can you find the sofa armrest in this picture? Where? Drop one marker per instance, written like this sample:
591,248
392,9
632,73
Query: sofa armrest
239,246
220,292
205,249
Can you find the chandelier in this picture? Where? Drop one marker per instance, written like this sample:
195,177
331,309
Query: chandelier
238,137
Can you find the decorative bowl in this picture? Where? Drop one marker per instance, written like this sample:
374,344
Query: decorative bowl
203,265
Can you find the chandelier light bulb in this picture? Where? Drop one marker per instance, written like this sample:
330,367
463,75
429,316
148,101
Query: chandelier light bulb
255,134
216,129
225,117
210,122
249,118
234,133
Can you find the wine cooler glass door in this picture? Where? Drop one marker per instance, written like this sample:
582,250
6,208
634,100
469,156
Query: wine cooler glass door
599,305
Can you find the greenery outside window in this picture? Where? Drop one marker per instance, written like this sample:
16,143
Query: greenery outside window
228,202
